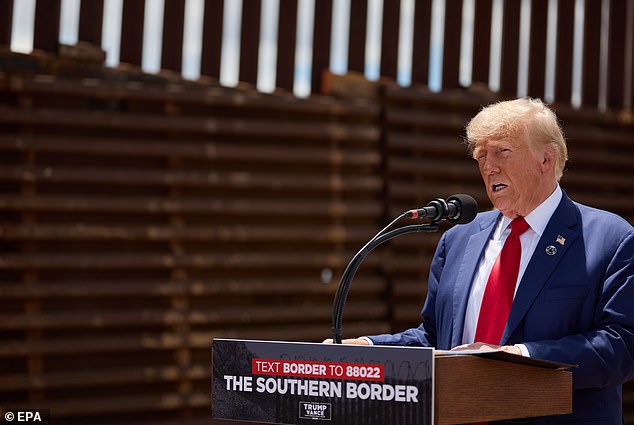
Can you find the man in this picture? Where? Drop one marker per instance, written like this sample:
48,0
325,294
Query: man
571,296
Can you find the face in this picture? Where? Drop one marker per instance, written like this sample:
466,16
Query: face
518,177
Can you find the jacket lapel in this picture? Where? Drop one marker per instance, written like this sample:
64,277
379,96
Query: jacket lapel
462,286
541,264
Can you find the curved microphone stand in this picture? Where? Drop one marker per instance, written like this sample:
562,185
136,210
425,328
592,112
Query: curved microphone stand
348,274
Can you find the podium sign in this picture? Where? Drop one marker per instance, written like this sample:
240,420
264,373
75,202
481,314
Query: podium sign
301,383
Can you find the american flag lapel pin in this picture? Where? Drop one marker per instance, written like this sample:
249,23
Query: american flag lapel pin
561,240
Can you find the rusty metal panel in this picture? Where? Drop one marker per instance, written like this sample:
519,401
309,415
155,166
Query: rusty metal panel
358,28
389,39
132,22
173,24
212,38
322,28
140,220
286,40
90,21
46,26
131,49
425,159
250,41
451,46
482,41
606,158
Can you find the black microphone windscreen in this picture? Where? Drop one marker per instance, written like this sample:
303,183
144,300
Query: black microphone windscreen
468,207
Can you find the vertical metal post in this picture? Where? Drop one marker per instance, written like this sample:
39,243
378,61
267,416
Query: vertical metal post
358,28
389,39
132,32
616,54
173,25
6,15
537,50
591,53
510,48
451,47
422,36
250,41
482,41
90,21
565,41
286,36
46,26
212,38
321,42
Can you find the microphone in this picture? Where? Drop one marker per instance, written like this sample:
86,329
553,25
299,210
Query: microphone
458,208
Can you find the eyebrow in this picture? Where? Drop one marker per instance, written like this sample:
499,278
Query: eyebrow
492,143
476,152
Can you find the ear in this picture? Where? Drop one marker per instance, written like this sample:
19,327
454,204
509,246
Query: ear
548,160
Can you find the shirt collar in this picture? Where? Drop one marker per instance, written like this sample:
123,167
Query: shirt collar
538,218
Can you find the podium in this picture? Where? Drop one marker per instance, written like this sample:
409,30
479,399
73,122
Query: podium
307,383
492,386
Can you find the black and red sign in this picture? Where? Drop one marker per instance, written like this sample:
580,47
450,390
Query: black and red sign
299,383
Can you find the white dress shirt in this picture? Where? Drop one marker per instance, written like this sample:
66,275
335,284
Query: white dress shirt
537,220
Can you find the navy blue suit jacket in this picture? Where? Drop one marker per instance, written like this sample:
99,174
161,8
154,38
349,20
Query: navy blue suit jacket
576,306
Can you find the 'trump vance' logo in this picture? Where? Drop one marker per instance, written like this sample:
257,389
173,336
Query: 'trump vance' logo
308,410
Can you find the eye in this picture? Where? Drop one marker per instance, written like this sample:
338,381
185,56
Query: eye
504,151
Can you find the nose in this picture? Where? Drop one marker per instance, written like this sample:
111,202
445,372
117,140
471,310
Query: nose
488,166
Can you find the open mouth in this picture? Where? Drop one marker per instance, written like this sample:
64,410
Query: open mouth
498,187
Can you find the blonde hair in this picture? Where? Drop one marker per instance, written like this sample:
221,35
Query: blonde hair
512,118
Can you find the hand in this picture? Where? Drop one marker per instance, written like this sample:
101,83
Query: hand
481,346
351,341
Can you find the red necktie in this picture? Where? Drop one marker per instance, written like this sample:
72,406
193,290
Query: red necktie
498,294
